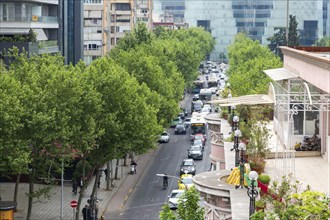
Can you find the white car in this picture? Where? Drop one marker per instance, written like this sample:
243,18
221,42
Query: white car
174,197
164,137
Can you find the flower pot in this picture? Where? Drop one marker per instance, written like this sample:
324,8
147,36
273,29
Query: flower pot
259,167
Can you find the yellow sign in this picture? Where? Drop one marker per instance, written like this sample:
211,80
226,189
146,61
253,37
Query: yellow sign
6,214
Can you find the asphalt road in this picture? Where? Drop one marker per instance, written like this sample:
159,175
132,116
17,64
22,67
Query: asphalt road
148,196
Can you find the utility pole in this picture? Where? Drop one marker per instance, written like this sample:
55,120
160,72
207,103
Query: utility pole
287,23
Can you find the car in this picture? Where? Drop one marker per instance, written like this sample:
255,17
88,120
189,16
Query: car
176,121
198,142
174,198
186,180
181,115
180,129
184,111
195,97
164,137
188,166
199,137
187,122
195,152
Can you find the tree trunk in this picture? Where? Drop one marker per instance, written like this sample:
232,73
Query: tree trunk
82,189
107,175
111,175
116,170
125,160
18,178
31,190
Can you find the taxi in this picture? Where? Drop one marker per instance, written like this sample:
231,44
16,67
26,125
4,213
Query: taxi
186,180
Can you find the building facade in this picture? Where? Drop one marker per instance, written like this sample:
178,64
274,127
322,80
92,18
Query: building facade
18,17
224,19
302,102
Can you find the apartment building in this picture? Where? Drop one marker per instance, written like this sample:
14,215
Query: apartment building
18,17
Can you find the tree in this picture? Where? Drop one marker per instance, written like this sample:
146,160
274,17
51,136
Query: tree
279,38
248,59
188,207
323,42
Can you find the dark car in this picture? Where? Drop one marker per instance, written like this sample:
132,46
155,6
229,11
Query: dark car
188,166
180,129
195,152
181,115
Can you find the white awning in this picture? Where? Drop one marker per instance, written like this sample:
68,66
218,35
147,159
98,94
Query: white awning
9,31
40,34
256,99
280,74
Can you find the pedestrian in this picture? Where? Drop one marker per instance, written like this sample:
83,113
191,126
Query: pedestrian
106,174
133,163
84,212
74,186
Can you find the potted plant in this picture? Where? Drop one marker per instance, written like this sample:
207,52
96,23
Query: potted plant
260,205
258,149
263,182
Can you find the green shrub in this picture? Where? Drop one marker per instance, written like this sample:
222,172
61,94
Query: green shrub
264,178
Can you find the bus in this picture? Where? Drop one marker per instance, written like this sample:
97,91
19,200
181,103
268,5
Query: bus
213,81
205,94
197,86
198,124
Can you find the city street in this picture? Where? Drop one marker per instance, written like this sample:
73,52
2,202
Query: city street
148,196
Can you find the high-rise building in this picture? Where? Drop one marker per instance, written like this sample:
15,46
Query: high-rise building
71,30
257,18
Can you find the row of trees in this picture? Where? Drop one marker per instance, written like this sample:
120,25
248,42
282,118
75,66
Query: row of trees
52,113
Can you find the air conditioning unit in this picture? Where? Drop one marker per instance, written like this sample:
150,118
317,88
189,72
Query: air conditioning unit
35,18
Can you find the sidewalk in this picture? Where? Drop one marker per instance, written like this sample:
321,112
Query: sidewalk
50,209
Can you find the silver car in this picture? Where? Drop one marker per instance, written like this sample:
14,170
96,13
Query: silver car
164,137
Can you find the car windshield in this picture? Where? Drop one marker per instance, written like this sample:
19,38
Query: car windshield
198,142
180,126
176,194
198,137
164,134
194,148
188,163
188,119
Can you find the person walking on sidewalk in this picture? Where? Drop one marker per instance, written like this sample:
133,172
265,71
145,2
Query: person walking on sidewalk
74,186
133,164
85,212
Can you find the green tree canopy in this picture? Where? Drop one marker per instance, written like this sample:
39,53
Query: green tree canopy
248,59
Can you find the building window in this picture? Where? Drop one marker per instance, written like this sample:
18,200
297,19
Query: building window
92,1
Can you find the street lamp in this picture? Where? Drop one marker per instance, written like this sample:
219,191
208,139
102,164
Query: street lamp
252,191
237,135
235,121
162,175
242,148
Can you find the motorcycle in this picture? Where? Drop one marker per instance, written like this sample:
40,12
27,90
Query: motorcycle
132,171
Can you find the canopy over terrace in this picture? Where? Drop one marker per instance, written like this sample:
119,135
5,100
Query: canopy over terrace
256,99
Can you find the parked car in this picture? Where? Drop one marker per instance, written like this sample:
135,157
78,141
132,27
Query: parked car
180,129
195,152
185,180
164,137
174,198
188,166
187,122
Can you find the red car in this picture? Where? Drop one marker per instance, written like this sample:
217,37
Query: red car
199,137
